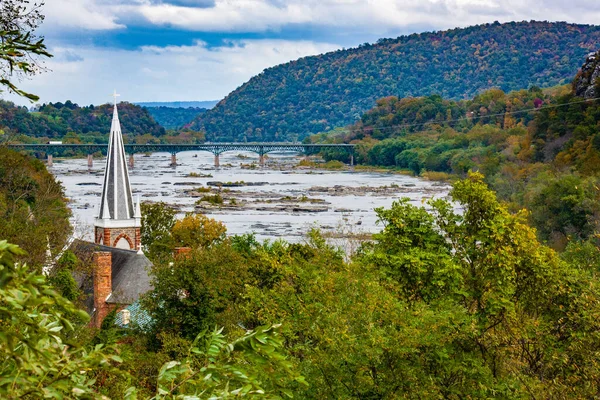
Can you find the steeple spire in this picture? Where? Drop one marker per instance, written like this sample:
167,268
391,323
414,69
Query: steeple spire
119,221
116,202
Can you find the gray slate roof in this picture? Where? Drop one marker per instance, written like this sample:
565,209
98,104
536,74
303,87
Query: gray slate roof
130,273
116,201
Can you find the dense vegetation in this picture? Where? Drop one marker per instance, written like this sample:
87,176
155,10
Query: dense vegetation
174,118
90,123
437,305
538,149
33,210
319,93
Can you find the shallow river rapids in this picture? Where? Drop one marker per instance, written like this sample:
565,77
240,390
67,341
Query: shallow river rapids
277,201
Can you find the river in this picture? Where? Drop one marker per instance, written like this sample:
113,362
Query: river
276,201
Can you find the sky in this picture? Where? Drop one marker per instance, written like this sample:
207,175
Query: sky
191,50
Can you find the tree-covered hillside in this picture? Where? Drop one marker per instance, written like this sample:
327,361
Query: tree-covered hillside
538,149
33,208
55,120
174,117
318,93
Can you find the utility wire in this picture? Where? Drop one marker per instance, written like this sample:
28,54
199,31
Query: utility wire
467,118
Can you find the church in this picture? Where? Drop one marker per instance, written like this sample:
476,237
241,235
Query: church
119,269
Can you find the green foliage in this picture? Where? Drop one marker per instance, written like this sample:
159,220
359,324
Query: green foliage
19,46
538,149
251,366
562,206
584,256
412,251
155,233
460,305
90,123
196,292
37,359
319,93
33,209
214,199
65,284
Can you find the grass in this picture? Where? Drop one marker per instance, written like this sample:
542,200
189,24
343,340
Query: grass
249,166
215,199
436,176
199,175
333,164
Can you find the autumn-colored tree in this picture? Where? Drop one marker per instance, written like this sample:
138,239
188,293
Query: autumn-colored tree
197,230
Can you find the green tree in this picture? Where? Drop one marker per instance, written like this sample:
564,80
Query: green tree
33,208
252,366
19,47
157,221
412,251
196,291
38,360
565,206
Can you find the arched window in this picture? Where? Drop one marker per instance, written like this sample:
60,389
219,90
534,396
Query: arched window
123,243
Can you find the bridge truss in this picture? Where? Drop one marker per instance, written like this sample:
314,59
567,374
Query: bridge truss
215,148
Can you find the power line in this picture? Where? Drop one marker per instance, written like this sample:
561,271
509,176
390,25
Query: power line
468,118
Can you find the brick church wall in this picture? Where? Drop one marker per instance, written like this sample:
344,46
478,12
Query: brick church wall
110,236
102,286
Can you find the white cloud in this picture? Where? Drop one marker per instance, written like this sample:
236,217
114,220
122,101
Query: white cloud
353,16
85,14
170,73
196,72
370,16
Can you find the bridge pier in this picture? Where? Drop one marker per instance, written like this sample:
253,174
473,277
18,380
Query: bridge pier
261,160
351,160
90,161
217,163
173,159
131,162
49,160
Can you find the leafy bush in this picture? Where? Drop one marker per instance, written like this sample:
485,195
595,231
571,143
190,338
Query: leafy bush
214,199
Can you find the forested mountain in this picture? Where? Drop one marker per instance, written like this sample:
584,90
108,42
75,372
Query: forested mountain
55,120
318,93
174,117
538,149
180,104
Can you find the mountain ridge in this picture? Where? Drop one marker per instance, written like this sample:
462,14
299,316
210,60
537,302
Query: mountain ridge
318,93
179,104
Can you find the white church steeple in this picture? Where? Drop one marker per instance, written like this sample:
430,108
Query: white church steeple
118,221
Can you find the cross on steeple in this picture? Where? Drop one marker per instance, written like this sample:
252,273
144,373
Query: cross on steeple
118,221
115,95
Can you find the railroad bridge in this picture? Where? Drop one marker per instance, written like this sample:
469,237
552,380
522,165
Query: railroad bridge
58,149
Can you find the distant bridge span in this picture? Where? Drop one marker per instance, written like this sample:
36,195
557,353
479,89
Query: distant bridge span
216,148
